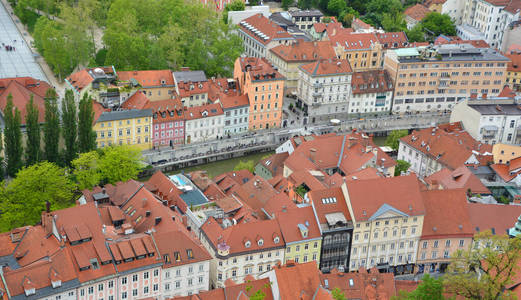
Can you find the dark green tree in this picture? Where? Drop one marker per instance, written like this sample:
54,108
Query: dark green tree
51,128
13,137
286,4
377,8
429,289
435,24
393,22
33,152
69,127
416,34
236,5
393,139
86,135
336,7
401,166
304,4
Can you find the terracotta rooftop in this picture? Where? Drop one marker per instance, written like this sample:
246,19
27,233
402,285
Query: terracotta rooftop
177,249
167,110
137,101
462,178
401,194
203,111
354,41
374,81
256,193
303,51
297,281
331,66
187,89
227,92
495,217
446,214
392,40
360,24
21,89
234,291
321,27
227,181
79,80
418,12
329,201
515,62
449,144
275,163
149,78
263,29
298,224
259,69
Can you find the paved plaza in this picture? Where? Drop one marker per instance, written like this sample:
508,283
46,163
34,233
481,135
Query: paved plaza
20,61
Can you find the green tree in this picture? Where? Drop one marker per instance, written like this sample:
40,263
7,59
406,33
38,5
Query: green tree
338,294
13,137
401,166
86,135
416,34
51,128
347,16
120,163
235,5
377,8
485,271
393,139
69,127
336,6
429,289
304,4
33,152
24,198
435,24
286,4
245,165
393,22
86,170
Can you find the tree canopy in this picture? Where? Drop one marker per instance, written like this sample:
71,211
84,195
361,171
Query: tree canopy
120,163
245,165
435,24
401,166
393,139
86,170
12,137
429,289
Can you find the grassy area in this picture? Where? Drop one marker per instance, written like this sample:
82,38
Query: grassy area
223,166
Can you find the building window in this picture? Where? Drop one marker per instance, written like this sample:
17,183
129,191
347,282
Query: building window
134,278
124,280
145,275
461,243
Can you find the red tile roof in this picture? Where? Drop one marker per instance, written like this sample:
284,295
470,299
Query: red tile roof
176,246
362,285
496,217
149,78
503,171
137,101
291,220
462,177
367,173
227,92
392,40
275,163
165,189
446,214
417,12
361,24
297,281
187,89
21,89
401,193
332,66
167,110
323,208
303,51
83,78
449,144
514,65
321,27
234,291
259,68
231,180
374,81
267,27
198,112
354,41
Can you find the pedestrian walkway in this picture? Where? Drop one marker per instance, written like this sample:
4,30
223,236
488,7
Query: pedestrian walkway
16,58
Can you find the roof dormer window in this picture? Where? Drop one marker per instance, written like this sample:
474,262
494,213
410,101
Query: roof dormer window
247,244
260,242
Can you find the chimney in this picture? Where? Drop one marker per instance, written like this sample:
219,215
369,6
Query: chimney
312,153
47,206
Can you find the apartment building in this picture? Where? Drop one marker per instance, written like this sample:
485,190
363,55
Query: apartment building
304,19
204,123
445,146
156,84
387,222
191,87
362,50
259,34
130,127
435,78
324,88
264,86
490,121
488,20
446,229
513,79
372,93
301,233
288,58
453,8
235,105
241,250
168,123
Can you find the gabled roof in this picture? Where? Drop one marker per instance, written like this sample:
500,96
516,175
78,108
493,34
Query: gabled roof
328,202
227,92
21,89
373,81
331,66
417,12
115,115
304,51
297,281
514,65
275,163
298,224
203,111
446,214
362,285
167,110
354,41
462,178
177,249
263,29
496,217
260,69
79,80
392,40
401,193
137,101
148,78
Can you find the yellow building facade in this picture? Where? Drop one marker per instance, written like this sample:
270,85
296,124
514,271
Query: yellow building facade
130,127
304,251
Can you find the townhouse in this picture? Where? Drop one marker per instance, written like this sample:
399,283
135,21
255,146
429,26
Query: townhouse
191,87
21,90
259,34
247,248
514,71
264,86
372,93
130,127
490,121
203,123
362,50
155,84
446,229
301,233
324,88
387,222
488,20
446,146
288,58
235,105
435,78
504,153
168,122
304,19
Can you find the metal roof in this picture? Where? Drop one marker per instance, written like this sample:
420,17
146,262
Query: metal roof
124,114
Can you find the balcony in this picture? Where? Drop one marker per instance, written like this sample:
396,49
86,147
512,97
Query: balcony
317,85
489,131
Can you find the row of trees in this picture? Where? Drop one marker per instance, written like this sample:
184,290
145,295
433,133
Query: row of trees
75,129
24,198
